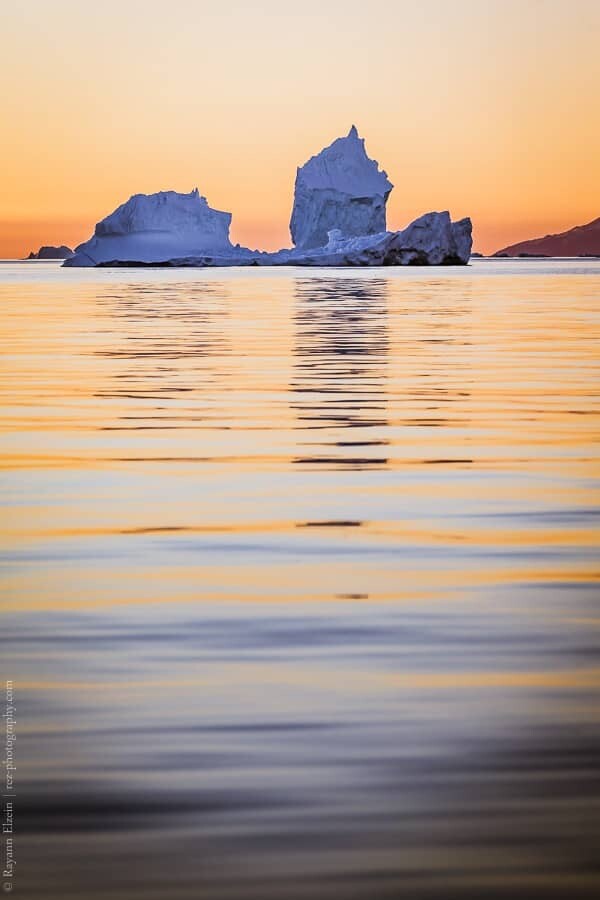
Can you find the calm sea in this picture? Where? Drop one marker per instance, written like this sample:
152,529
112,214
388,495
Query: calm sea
301,581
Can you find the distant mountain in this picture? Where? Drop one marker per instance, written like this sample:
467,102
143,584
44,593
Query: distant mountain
61,252
583,240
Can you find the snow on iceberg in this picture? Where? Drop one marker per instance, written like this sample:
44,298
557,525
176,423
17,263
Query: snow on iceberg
339,188
154,228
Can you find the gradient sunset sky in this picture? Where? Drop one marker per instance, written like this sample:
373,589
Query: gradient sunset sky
488,109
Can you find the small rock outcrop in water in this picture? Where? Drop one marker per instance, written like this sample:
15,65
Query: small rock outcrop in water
583,240
339,188
61,252
338,220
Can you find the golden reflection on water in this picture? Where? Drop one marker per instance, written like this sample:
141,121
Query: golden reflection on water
300,574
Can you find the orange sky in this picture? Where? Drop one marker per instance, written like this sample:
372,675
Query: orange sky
488,109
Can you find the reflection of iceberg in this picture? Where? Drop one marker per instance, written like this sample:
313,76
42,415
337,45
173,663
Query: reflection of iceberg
338,219
163,343
340,371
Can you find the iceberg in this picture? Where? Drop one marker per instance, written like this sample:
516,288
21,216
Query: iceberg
340,188
338,219
154,228
431,240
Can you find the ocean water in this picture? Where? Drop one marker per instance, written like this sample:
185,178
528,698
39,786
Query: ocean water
301,581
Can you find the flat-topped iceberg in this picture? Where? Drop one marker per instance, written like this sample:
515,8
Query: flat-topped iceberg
338,219
154,228
339,188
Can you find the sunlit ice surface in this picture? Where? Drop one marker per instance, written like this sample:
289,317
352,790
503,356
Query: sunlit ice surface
300,581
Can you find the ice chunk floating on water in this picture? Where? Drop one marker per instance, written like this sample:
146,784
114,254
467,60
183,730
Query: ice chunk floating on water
339,188
156,228
431,240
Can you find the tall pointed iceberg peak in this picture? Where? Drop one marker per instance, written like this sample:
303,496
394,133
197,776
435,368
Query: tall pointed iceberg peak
156,227
339,188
